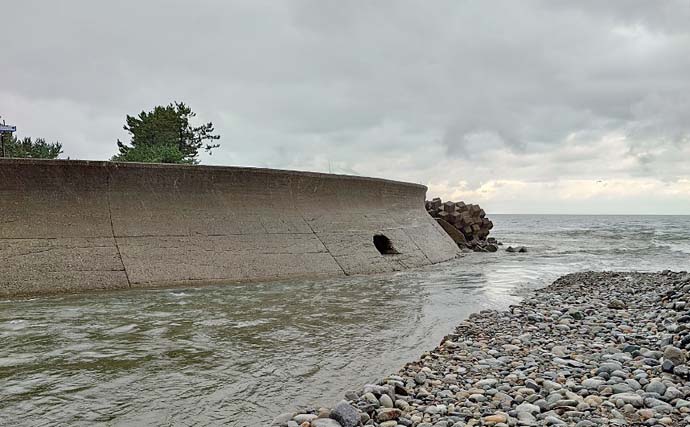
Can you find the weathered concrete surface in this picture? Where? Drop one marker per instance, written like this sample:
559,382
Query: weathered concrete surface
68,226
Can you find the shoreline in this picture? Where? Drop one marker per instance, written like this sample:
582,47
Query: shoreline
591,349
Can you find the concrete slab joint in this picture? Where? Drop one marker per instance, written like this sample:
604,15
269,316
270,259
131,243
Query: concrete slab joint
112,230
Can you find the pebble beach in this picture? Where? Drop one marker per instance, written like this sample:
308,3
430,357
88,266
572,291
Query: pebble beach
591,349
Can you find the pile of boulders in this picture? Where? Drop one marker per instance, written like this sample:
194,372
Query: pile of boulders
466,224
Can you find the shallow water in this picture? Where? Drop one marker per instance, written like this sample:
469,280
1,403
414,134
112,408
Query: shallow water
240,354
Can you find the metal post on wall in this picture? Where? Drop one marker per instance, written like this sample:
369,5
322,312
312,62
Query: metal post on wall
5,129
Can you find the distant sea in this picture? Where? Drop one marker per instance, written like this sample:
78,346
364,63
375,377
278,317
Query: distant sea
242,353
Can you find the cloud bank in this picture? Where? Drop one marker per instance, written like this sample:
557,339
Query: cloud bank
534,106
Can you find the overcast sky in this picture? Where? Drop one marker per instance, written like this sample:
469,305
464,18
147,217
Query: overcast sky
521,106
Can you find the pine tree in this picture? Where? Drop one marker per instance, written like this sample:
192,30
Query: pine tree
28,148
164,135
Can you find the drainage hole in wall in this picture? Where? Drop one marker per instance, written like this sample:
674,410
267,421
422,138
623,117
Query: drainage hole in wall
384,245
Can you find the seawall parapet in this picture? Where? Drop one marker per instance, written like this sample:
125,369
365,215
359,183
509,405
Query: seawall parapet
71,226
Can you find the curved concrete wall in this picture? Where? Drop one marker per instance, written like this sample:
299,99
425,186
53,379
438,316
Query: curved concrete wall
68,226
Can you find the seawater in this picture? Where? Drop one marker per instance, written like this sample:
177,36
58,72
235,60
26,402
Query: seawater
242,353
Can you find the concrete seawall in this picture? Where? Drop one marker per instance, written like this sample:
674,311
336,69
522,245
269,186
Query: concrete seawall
72,226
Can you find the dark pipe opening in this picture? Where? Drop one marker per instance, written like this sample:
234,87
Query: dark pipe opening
384,245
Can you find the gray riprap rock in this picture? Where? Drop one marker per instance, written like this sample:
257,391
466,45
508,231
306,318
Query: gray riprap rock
553,420
621,388
486,383
682,403
526,418
300,418
672,393
282,419
682,371
609,367
616,304
371,399
351,395
631,398
325,422
385,401
528,407
346,414
656,404
593,383
531,384
675,355
375,389
656,386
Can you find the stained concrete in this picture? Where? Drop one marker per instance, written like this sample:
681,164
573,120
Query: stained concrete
72,226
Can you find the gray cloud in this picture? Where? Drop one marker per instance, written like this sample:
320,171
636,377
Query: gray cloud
495,90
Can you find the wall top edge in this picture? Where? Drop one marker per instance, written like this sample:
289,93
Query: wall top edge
201,168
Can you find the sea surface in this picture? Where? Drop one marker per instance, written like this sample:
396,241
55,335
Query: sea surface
240,354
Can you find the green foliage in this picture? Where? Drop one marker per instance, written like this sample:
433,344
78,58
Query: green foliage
165,135
27,148
153,153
